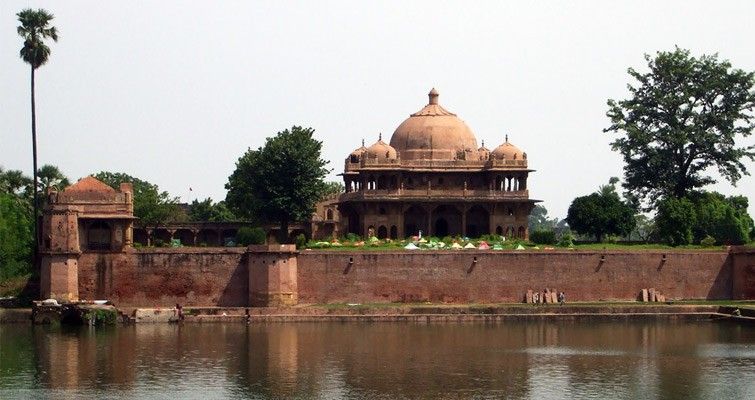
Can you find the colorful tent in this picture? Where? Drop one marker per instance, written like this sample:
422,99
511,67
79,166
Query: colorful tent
456,246
470,246
519,247
497,247
483,246
411,246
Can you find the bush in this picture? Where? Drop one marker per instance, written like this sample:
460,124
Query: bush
301,241
567,239
542,236
352,237
675,220
247,235
708,241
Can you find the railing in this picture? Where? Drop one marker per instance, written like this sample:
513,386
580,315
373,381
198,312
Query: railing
398,163
436,193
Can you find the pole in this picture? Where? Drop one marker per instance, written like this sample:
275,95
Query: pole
35,219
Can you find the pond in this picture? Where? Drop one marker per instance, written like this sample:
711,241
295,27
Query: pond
517,360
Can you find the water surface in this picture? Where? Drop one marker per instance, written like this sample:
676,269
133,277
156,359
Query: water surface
530,360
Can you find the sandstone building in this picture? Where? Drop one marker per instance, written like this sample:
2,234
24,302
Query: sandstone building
433,178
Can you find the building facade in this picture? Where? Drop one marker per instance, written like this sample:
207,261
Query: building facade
433,178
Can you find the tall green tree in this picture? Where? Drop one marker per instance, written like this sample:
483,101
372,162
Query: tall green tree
34,29
333,188
279,182
207,210
14,181
601,213
539,220
682,118
16,233
675,220
50,176
152,206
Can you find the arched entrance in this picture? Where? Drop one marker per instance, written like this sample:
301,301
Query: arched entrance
415,220
394,232
382,232
440,228
478,222
446,221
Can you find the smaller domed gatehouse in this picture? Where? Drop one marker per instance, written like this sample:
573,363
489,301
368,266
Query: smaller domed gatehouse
432,177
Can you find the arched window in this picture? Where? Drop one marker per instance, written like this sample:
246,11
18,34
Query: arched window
329,214
394,232
382,232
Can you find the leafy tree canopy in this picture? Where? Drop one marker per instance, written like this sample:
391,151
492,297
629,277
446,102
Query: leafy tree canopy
601,213
280,181
34,28
14,181
15,231
539,221
682,118
675,220
50,176
206,210
152,206
333,188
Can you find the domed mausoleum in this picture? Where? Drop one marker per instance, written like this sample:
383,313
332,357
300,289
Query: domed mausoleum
432,177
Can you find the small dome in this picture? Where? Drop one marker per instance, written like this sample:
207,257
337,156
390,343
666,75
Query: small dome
358,152
507,151
381,150
483,151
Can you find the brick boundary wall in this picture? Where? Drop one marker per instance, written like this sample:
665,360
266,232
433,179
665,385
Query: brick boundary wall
455,277
220,276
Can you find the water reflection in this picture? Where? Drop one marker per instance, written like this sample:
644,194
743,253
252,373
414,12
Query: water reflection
541,360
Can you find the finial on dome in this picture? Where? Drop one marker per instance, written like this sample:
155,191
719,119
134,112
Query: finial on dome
483,142
362,142
380,136
507,138
433,95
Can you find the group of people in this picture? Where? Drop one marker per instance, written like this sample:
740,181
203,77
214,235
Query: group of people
537,296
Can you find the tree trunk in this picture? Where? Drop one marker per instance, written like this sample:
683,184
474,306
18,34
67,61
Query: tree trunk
35,219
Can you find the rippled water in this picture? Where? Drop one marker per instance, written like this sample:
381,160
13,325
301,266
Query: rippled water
535,360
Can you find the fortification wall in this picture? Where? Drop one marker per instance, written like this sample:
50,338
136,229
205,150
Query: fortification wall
743,269
506,276
163,277
220,276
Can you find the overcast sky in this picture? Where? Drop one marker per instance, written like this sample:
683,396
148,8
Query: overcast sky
175,92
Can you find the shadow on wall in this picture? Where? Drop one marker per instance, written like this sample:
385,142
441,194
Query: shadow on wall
234,293
724,281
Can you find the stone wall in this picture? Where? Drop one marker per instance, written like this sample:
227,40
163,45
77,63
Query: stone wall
506,276
220,276
163,277
743,269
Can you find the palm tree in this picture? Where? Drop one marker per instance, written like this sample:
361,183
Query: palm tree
34,28
50,177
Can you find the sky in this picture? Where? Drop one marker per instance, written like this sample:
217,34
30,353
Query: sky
174,92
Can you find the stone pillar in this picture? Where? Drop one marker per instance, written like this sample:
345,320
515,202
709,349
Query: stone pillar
400,228
464,217
429,231
272,275
129,233
59,278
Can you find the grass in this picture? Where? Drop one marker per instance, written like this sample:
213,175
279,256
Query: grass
531,247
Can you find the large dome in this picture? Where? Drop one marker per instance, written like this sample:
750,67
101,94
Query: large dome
434,133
